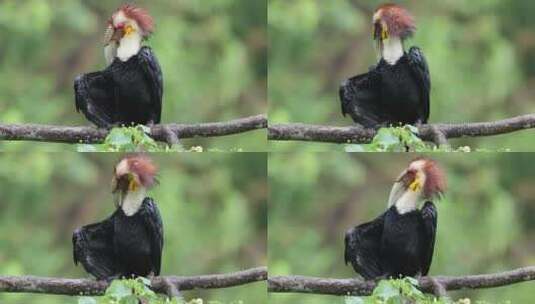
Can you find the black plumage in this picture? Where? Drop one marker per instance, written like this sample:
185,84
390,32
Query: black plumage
124,93
393,244
389,94
121,245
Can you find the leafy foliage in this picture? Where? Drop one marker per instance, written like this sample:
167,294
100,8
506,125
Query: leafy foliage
395,139
399,291
404,139
129,139
134,291
129,291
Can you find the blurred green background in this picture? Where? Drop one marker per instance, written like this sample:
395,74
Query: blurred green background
480,55
213,210
212,53
485,221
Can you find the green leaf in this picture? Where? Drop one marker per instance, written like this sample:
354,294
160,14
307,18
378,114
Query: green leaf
412,281
412,129
131,299
386,290
145,281
118,137
386,137
118,290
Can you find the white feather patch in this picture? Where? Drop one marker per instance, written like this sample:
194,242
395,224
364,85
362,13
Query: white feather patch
129,46
408,202
392,50
133,200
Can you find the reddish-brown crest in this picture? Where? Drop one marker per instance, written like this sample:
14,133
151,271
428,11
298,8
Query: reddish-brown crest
435,179
140,15
143,167
399,21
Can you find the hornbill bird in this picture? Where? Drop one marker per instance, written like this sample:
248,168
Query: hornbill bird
401,241
129,90
396,90
130,241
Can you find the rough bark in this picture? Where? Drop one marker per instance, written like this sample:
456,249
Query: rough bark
438,133
61,286
92,135
357,287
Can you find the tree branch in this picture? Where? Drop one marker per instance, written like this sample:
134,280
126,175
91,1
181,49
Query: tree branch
357,287
73,287
92,135
360,135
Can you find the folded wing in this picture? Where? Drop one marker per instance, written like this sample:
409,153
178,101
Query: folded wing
153,74
420,71
94,96
362,248
93,248
359,98
153,221
429,219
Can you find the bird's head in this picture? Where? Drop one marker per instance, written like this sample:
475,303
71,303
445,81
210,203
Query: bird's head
134,173
422,180
129,21
391,20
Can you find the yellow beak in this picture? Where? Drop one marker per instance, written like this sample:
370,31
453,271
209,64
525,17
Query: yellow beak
128,30
384,34
132,184
415,185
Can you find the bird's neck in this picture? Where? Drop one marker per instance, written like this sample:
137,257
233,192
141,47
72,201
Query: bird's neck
408,202
392,50
129,46
132,201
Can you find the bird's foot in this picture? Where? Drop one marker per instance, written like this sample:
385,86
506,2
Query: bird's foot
438,289
171,290
171,138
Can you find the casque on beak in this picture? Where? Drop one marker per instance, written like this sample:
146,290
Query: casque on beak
408,180
113,35
124,183
380,31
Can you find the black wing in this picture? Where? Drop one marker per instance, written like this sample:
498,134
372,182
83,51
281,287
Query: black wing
153,74
359,98
93,248
429,219
153,221
362,248
420,72
94,96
